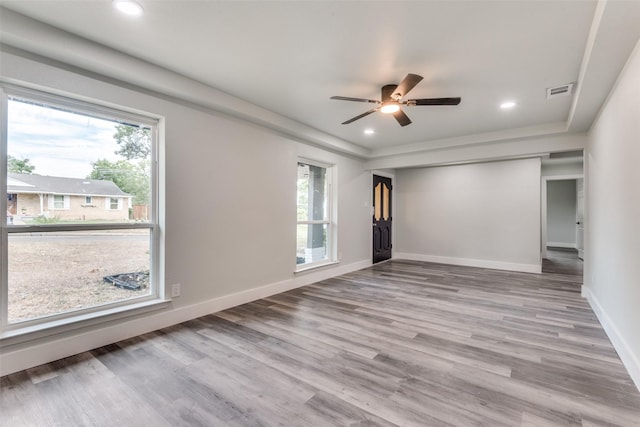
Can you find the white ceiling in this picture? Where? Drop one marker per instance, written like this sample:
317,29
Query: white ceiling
290,57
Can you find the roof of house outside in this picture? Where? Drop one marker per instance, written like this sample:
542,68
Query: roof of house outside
31,183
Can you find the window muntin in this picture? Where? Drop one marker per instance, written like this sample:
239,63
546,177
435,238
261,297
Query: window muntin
85,148
314,223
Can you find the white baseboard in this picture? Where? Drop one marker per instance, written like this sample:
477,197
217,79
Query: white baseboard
630,360
562,245
470,262
27,356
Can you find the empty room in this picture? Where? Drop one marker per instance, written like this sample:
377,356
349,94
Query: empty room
319,213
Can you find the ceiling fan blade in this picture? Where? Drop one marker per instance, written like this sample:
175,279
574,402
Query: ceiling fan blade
359,117
387,91
346,98
407,84
434,101
402,118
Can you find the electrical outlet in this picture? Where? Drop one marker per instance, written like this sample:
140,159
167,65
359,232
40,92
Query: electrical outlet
175,290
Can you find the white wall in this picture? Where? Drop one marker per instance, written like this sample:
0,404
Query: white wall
452,152
558,169
561,213
612,217
230,212
484,214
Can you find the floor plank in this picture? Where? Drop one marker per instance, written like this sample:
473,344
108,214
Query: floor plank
402,343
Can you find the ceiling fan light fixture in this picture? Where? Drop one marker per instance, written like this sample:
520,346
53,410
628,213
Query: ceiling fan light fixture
390,108
128,7
391,100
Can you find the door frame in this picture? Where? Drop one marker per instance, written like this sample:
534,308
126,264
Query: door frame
543,206
392,176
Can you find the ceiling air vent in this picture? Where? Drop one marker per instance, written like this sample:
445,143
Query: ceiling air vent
558,91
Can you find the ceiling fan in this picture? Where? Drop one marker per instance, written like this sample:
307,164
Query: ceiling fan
391,100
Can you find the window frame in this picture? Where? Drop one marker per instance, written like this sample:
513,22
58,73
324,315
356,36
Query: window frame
89,315
330,220
118,204
66,201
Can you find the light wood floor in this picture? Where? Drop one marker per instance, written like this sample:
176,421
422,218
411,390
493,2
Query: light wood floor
401,343
562,261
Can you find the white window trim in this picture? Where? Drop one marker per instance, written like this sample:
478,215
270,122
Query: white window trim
331,197
49,325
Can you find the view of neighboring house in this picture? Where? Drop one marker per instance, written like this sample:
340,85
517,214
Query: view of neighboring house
30,196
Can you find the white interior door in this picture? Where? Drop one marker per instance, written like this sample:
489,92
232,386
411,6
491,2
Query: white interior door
580,217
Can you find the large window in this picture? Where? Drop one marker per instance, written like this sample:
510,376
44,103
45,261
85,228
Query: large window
62,256
314,227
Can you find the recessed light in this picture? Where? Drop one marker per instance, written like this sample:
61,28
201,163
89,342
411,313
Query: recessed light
128,7
507,105
369,131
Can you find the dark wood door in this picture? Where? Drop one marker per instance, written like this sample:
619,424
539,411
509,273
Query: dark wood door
381,218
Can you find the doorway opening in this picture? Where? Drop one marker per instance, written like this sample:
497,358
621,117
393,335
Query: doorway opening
563,225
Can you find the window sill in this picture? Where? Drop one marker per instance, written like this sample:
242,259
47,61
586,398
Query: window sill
17,334
314,266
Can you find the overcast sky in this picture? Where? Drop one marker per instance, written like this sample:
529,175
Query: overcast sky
56,142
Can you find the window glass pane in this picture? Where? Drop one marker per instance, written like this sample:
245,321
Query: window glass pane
58,159
312,192
57,272
311,243
385,202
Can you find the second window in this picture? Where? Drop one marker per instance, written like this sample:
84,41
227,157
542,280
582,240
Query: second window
314,225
